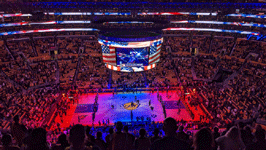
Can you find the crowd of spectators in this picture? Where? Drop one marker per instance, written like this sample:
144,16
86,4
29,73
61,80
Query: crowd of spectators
231,63
178,43
183,66
221,44
163,75
28,75
205,66
23,46
32,106
201,42
244,47
93,74
31,65
242,100
243,97
168,135
128,80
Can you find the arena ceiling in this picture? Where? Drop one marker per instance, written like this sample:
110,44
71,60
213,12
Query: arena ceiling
42,17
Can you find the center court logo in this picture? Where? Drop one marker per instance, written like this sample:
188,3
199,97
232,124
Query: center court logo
131,106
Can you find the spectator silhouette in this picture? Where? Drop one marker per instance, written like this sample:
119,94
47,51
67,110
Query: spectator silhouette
130,139
181,134
18,130
243,133
142,143
260,141
109,138
27,139
170,141
90,139
258,127
62,143
99,142
6,141
155,136
248,139
119,140
203,140
231,140
38,140
216,133
76,138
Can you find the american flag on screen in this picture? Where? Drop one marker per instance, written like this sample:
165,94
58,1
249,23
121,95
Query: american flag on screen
155,50
109,56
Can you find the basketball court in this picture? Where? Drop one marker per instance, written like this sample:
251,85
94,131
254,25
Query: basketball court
118,107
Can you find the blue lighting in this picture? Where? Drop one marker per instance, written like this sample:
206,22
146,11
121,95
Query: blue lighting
144,4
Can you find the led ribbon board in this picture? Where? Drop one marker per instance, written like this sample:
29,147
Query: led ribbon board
211,30
258,37
129,13
68,13
176,13
135,69
88,13
247,15
43,23
128,22
128,44
222,23
15,15
112,13
47,30
200,14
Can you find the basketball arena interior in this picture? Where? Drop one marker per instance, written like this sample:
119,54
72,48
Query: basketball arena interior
123,75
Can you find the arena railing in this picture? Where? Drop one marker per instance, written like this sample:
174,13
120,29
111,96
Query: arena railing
204,108
188,108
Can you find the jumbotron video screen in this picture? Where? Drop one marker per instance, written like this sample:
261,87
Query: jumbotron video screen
132,57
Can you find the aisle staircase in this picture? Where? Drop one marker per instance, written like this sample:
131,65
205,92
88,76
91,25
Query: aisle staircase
145,78
11,81
110,79
76,71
